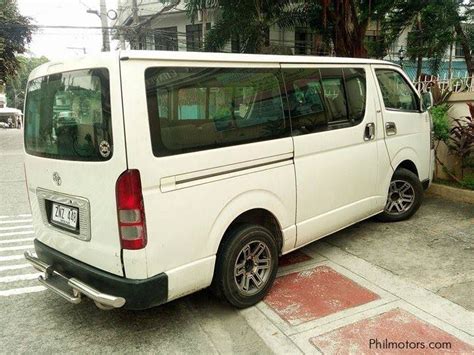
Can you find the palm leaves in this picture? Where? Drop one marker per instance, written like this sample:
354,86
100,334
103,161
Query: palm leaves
247,21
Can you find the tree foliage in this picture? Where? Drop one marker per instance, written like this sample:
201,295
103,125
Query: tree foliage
245,21
16,84
15,34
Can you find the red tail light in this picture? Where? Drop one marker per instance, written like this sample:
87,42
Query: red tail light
131,211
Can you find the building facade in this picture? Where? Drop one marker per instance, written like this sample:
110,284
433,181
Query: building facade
167,27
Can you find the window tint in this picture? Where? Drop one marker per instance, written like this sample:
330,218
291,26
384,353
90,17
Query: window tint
334,94
67,116
396,92
193,109
327,98
356,93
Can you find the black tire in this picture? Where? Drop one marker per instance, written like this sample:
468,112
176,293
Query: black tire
402,175
224,284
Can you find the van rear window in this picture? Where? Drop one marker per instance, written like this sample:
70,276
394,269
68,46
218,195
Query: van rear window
67,116
192,109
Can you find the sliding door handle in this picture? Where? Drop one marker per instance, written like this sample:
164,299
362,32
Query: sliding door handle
390,128
369,132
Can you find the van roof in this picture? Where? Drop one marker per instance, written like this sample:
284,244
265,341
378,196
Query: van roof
88,60
241,57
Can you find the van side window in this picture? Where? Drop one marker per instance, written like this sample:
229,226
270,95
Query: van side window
396,93
356,93
326,98
192,109
334,94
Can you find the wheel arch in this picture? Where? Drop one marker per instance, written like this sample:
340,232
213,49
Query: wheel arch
257,207
408,165
407,158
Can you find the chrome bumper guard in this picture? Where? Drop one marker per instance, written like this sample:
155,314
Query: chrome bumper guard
63,286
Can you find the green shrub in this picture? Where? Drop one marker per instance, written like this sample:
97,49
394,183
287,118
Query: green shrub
468,182
439,113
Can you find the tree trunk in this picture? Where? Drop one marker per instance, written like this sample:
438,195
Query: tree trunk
465,46
348,34
419,66
349,42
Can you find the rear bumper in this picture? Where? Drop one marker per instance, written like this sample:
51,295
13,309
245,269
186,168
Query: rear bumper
95,283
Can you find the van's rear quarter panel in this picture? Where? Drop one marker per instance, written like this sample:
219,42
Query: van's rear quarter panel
94,181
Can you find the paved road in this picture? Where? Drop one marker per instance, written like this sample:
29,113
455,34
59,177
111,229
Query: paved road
36,320
434,250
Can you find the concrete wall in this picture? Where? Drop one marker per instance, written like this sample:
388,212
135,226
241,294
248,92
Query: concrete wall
459,108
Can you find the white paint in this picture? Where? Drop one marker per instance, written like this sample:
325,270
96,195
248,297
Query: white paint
11,257
19,240
303,183
22,290
17,247
16,233
23,277
17,216
17,221
14,267
16,227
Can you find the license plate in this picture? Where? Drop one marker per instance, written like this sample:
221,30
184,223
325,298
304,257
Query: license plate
64,216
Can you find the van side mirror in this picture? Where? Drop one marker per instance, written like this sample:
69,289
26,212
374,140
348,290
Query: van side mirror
426,100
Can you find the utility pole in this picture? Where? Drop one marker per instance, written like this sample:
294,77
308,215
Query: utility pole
105,25
136,37
102,14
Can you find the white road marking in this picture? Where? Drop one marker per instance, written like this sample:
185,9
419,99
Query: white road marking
7,241
14,267
18,221
16,227
16,233
12,257
17,247
22,290
23,277
18,215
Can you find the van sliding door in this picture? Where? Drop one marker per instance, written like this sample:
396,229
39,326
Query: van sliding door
333,126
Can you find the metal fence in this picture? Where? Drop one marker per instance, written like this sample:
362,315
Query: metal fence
455,85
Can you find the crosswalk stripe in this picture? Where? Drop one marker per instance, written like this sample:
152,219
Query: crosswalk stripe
18,240
11,257
22,290
17,247
16,233
16,227
14,267
23,277
17,221
17,216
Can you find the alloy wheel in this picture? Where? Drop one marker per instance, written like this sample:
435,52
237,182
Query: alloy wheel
252,268
401,196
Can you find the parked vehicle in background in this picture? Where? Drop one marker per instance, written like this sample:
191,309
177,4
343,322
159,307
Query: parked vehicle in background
181,171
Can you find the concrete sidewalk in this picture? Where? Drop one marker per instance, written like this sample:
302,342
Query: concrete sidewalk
328,301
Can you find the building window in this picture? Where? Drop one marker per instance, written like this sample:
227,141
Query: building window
194,37
303,40
459,51
166,39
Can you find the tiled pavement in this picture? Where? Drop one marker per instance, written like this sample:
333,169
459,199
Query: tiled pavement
327,301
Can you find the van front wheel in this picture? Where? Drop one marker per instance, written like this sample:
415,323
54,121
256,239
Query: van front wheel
246,265
404,197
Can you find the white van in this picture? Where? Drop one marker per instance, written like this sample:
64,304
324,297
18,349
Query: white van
187,170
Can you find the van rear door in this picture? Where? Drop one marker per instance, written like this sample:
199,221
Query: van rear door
75,151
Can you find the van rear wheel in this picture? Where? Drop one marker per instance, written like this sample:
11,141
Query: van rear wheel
246,265
404,197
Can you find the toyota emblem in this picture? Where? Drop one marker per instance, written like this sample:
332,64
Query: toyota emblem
57,178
